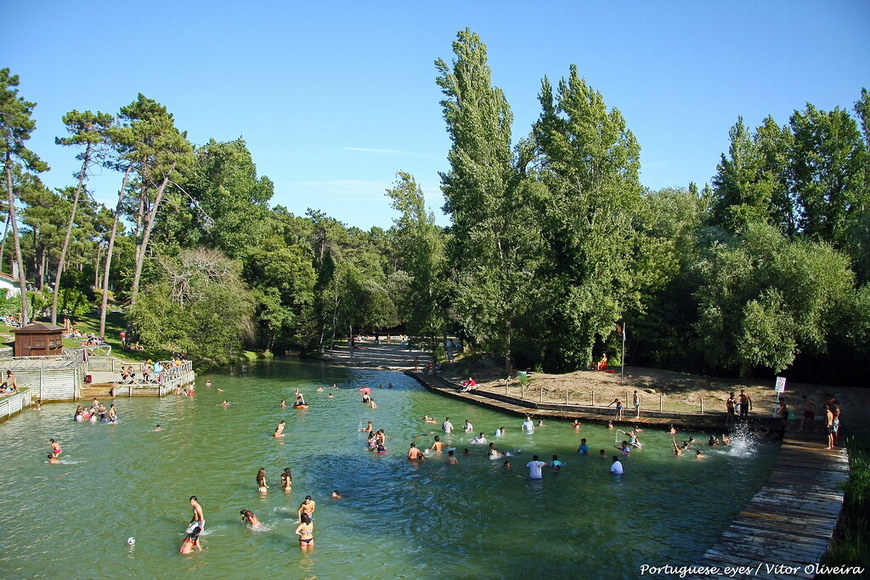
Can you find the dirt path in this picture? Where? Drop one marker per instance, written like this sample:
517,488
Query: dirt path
387,355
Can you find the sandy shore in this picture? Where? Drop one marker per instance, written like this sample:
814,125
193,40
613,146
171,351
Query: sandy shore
676,392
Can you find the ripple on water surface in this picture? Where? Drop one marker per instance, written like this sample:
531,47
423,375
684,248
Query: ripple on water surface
395,519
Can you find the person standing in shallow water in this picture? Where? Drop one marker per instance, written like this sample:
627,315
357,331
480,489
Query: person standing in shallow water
286,480
198,519
306,508
261,480
305,531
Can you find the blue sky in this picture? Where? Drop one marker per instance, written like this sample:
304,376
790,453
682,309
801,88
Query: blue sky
333,98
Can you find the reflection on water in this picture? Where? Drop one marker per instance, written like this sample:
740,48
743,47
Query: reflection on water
394,519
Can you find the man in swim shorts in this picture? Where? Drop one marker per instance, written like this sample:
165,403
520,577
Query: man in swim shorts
198,519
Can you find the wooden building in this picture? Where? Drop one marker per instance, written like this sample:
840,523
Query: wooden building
38,339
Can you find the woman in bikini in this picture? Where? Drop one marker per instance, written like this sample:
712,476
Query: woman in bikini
286,479
55,448
261,480
305,531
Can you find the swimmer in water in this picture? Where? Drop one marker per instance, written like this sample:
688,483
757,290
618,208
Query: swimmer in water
191,542
451,459
283,404
336,495
319,389
677,451
699,455
368,428
55,448
528,426
437,446
415,454
157,428
306,508
286,479
279,429
261,480
248,517
208,383
576,424
305,531
52,459
428,419
673,430
225,403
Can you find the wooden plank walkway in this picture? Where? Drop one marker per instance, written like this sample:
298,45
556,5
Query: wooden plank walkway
787,526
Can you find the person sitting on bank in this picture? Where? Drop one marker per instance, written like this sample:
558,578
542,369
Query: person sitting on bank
468,385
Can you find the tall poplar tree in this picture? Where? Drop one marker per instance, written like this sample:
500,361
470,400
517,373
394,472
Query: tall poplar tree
493,267
16,125
589,162
421,249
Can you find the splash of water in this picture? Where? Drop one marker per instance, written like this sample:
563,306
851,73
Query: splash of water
744,441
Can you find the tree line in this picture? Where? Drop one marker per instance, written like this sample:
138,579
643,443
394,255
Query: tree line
554,255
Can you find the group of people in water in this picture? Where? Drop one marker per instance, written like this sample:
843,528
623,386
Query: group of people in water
96,412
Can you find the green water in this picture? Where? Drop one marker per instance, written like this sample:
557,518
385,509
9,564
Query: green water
396,519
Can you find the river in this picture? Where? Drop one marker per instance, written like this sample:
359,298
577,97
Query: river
395,519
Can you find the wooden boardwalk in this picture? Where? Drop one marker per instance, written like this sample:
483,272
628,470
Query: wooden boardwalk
784,530
790,521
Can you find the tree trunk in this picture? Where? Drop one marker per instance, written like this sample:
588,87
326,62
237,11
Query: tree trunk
105,302
3,243
146,235
98,264
72,217
42,269
22,281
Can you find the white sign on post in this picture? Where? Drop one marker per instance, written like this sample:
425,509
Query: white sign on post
780,384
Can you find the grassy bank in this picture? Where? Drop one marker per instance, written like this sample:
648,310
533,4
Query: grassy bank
851,543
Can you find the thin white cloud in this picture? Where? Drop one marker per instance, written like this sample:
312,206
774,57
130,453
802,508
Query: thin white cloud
339,189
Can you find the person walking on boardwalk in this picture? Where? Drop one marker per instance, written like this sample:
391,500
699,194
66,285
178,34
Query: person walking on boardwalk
830,427
809,413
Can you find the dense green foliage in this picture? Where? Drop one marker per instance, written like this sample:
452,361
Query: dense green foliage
553,247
